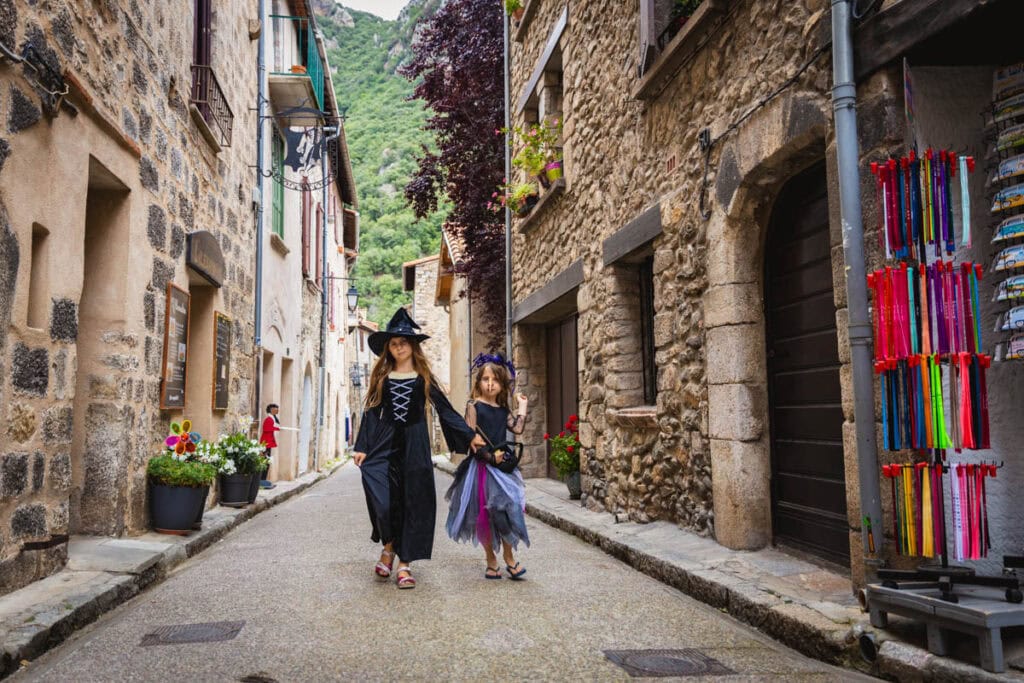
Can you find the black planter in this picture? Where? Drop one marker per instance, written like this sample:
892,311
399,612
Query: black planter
198,524
172,509
572,480
234,489
254,488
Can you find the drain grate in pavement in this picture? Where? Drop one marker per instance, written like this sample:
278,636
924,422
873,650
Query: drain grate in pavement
181,634
653,663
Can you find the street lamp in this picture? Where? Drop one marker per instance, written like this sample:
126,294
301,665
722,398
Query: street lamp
353,298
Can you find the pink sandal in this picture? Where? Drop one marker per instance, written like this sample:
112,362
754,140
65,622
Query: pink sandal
384,570
406,581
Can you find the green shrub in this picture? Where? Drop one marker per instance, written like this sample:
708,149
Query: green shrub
169,471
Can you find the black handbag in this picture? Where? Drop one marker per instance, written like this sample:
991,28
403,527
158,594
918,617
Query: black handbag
511,454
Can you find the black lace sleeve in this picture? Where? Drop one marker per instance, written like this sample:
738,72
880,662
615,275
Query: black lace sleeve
516,423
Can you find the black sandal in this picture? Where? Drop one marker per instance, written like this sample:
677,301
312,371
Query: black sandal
495,576
515,575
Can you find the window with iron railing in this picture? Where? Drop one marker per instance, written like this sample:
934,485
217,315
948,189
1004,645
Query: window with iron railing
295,52
207,96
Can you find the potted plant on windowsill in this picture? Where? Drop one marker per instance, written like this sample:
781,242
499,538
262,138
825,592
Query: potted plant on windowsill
565,455
682,10
515,9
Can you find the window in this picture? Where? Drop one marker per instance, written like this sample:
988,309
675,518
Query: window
307,210
203,38
277,199
39,279
650,372
210,107
318,231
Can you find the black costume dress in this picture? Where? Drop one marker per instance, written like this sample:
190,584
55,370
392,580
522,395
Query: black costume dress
398,474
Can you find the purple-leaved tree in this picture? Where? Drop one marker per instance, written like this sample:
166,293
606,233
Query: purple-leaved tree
457,64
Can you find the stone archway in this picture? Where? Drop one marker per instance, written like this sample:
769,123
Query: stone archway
782,139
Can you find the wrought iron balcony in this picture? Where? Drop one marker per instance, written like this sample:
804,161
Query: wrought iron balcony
297,73
209,101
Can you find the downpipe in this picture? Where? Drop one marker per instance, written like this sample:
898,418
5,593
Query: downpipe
844,102
261,93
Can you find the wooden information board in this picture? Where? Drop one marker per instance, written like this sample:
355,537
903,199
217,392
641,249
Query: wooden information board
176,319
221,360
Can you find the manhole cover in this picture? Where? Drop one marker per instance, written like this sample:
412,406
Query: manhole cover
193,633
687,662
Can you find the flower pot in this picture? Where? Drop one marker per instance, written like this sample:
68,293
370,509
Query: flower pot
172,509
517,14
201,508
298,69
543,180
553,171
572,480
234,489
254,488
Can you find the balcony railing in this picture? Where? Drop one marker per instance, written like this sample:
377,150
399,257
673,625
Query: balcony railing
305,58
209,99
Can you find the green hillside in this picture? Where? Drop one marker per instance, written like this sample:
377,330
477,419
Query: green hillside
384,133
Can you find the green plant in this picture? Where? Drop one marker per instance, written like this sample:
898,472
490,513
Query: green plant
248,455
685,8
512,5
565,448
512,195
538,145
520,193
170,471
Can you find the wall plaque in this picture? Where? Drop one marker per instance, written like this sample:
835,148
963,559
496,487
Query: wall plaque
221,360
203,255
172,390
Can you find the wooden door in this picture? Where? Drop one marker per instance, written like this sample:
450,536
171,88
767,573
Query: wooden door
563,378
808,476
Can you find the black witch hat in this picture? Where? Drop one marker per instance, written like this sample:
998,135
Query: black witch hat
401,325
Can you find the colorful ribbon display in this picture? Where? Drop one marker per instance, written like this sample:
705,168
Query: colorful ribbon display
926,309
919,508
916,196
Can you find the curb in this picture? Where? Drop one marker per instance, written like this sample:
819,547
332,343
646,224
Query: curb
43,614
823,630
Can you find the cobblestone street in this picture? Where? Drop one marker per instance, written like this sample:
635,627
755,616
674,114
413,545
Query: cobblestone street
300,578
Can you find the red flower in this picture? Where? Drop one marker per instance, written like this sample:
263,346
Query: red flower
573,418
546,436
569,449
561,433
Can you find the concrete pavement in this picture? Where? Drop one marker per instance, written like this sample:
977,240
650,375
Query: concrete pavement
300,578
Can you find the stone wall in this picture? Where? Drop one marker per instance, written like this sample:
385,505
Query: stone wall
81,394
622,156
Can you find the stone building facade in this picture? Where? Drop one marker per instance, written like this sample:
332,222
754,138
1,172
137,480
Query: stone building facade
683,288
135,177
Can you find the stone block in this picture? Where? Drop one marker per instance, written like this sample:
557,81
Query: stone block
736,354
163,272
60,472
38,470
156,227
664,328
148,175
737,411
30,370
29,521
60,374
741,480
733,303
23,113
13,475
21,422
64,320
57,425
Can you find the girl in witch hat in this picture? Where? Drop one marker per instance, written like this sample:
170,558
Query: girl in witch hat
393,447
487,501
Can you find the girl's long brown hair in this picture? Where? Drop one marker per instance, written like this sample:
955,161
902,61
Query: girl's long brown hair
385,365
501,374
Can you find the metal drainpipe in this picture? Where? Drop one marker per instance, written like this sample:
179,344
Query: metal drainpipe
844,101
508,211
258,313
323,293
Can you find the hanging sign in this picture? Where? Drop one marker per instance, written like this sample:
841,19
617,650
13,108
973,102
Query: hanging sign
221,360
176,321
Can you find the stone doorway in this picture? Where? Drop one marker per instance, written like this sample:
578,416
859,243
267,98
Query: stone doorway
804,394
101,416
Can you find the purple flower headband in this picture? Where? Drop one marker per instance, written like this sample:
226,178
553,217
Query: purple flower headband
498,359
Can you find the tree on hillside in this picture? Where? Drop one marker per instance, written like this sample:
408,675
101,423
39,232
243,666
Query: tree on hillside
457,66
